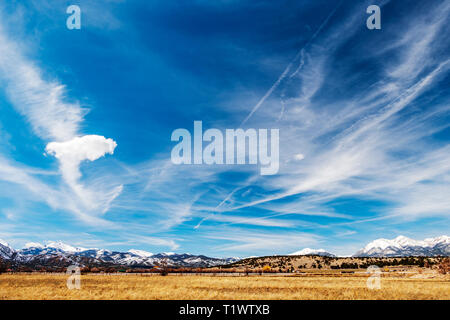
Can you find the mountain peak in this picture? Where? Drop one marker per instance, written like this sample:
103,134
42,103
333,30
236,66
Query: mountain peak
63,247
402,238
4,243
29,245
6,251
141,253
309,251
441,239
404,246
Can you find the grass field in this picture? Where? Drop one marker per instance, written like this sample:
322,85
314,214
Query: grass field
199,287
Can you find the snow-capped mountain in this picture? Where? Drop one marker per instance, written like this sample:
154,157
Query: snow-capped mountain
33,248
146,259
61,253
315,252
64,247
403,246
141,253
6,251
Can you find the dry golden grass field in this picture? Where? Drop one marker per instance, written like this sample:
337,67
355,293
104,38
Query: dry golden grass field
199,287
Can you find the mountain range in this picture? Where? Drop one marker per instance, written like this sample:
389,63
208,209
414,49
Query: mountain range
403,246
61,254
64,254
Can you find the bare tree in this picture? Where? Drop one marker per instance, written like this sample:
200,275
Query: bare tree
163,267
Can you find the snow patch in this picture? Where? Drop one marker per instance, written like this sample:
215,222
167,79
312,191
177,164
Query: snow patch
141,253
33,245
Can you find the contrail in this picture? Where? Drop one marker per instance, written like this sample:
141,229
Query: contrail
268,93
288,68
227,198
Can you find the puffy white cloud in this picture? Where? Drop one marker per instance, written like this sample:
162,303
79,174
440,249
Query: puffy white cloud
70,155
89,147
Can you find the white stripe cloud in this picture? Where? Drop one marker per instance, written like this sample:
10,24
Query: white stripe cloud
44,104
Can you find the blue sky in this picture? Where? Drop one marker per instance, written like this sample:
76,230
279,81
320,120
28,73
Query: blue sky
363,118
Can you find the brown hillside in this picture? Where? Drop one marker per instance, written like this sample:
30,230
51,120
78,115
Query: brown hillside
297,263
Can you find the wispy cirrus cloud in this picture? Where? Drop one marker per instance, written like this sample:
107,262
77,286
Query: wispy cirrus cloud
362,135
42,102
54,197
363,118
239,240
364,132
44,105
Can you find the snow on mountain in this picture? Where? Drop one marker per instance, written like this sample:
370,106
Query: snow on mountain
172,260
94,253
6,251
438,240
308,251
61,253
33,245
64,247
34,248
141,253
4,243
403,246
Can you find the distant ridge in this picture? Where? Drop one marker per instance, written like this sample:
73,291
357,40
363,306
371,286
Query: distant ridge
59,253
315,252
